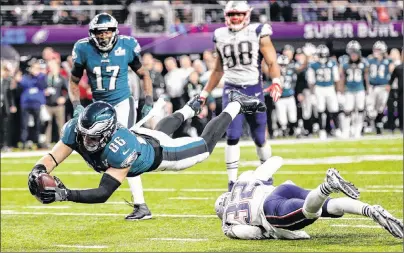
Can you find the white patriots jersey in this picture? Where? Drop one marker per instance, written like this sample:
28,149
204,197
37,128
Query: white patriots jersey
240,53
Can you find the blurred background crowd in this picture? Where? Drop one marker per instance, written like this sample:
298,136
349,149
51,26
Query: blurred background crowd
34,95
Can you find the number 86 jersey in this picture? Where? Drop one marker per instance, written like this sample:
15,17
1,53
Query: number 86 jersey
240,53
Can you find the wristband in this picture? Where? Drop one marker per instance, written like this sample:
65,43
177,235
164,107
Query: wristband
204,94
277,80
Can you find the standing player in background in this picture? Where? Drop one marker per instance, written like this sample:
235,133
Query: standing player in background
380,68
286,110
354,75
240,47
321,76
106,56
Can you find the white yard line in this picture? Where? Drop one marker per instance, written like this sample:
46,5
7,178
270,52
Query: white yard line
190,198
198,190
222,172
82,246
355,226
204,216
179,239
47,207
286,161
242,144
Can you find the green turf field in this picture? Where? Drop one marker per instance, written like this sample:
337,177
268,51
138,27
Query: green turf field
183,204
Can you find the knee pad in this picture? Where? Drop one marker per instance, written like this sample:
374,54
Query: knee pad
232,142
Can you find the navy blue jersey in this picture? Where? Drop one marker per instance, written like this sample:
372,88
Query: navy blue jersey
354,75
379,73
107,71
125,149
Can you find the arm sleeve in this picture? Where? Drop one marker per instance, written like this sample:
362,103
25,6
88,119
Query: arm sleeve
311,78
335,73
101,194
243,232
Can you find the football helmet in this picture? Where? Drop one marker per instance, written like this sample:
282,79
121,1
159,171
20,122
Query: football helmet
379,48
221,203
103,22
233,7
96,125
323,53
353,47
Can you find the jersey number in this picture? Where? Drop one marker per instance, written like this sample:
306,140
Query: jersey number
377,71
244,56
241,210
354,75
323,75
116,143
112,81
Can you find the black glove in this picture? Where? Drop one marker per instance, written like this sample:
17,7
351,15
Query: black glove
52,194
32,178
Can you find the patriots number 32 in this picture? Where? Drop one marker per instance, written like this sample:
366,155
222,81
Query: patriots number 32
241,210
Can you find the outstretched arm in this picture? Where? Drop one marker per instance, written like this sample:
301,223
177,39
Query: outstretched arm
268,51
244,232
215,77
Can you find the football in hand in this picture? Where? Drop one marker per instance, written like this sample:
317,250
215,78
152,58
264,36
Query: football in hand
45,180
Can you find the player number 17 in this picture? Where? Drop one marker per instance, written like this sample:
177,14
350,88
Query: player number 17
112,81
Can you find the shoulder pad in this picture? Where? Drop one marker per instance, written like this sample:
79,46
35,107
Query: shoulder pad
121,150
68,133
219,32
263,30
131,42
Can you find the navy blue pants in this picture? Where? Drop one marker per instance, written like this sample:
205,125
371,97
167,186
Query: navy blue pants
257,121
284,208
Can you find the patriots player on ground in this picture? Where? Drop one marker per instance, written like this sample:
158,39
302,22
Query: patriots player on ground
321,76
109,147
241,47
256,210
380,68
354,75
107,56
286,110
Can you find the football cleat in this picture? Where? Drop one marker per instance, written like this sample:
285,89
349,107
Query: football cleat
249,104
196,104
140,212
339,184
387,221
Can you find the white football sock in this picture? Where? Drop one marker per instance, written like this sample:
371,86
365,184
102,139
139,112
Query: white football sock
339,206
265,152
359,124
233,108
136,187
187,112
232,157
346,126
315,200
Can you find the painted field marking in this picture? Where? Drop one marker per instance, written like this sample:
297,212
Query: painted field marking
355,226
179,239
82,246
47,207
286,161
222,172
204,216
202,190
241,143
190,198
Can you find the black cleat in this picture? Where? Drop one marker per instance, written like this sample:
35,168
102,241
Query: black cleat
196,104
249,104
140,212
